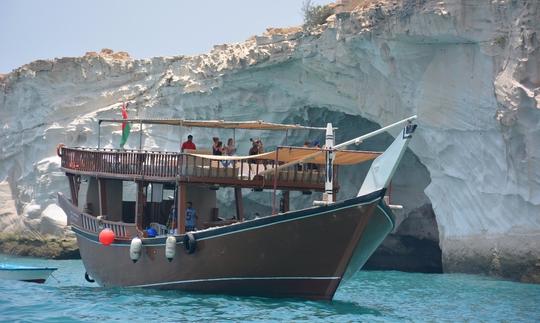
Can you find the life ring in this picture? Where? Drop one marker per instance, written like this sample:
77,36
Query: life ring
190,244
88,279
59,149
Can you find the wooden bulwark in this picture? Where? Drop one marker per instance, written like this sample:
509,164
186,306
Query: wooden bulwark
94,225
171,167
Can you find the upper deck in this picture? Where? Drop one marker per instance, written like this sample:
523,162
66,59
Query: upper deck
158,166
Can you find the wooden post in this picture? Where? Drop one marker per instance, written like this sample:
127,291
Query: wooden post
335,184
139,204
276,162
286,203
73,187
102,196
239,204
181,214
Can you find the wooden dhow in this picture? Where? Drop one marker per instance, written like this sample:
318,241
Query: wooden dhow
303,253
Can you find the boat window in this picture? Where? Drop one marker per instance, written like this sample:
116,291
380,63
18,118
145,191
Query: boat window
168,194
129,191
155,191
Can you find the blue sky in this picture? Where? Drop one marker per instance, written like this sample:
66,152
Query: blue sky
34,29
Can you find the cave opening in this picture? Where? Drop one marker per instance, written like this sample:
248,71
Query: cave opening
413,246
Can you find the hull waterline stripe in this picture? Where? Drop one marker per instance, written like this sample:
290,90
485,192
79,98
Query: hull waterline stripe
234,279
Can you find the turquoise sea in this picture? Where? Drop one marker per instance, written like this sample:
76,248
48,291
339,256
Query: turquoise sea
372,296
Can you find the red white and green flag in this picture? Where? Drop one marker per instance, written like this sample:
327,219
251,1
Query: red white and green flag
126,126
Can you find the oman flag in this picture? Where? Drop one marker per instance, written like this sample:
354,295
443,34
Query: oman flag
126,126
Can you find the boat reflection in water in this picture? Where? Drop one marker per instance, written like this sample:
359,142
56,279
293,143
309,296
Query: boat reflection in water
304,253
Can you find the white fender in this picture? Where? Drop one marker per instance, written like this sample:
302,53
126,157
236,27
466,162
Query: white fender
170,247
135,249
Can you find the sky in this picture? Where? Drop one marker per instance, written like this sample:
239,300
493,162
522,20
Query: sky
45,29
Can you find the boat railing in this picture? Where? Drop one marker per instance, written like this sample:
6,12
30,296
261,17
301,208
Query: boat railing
95,225
173,165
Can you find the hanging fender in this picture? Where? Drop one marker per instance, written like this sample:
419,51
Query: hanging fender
170,248
135,248
190,244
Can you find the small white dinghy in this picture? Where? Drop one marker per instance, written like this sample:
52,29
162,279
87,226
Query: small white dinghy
25,273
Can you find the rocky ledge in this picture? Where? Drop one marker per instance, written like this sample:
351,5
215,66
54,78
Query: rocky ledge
52,247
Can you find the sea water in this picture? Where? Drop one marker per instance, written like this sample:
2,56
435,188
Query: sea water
371,296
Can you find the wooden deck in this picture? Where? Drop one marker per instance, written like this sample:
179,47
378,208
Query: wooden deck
171,167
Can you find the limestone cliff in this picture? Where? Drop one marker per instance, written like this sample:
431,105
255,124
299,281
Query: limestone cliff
469,69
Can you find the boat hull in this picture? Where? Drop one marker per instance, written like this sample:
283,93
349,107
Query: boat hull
27,274
297,254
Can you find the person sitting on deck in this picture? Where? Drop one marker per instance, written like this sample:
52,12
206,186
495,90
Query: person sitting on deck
254,150
257,148
215,141
191,217
229,150
218,149
188,144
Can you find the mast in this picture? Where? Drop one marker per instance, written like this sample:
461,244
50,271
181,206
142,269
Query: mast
328,196
328,183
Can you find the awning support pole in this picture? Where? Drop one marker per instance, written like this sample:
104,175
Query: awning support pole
239,204
99,134
140,136
181,208
275,181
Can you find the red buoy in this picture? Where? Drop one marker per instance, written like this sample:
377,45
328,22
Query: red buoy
106,236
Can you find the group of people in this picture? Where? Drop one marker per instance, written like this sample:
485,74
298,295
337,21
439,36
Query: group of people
228,150
217,146
219,150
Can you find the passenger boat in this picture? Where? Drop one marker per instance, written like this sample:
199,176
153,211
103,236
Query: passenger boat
25,273
305,253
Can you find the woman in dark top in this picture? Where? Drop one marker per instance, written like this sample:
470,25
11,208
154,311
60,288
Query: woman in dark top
218,149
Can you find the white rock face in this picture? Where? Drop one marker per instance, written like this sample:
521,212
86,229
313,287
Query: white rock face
471,73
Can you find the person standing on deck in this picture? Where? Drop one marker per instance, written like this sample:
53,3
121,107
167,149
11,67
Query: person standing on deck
191,217
188,144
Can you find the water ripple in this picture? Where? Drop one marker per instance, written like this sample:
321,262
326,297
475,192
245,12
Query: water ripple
369,297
